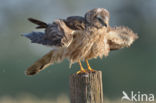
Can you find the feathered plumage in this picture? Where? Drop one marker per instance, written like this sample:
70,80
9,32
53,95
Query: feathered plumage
48,59
38,22
77,38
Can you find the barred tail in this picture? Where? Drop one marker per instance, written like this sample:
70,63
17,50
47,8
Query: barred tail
40,24
48,59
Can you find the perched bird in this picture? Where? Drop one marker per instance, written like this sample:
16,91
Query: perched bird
79,38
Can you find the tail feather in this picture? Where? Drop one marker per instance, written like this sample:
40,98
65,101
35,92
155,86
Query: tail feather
39,23
50,58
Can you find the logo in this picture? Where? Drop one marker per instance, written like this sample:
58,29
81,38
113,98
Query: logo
137,97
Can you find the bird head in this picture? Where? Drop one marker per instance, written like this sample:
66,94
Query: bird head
98,17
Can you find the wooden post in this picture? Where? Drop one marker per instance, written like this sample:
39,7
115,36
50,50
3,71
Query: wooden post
86,87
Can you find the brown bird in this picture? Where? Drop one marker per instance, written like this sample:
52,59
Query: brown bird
79,38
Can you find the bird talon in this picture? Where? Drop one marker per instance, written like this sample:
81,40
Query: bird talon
91,70
81,71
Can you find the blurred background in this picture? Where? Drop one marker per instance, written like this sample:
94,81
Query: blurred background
128,69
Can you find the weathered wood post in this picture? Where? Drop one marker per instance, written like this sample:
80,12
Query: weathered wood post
86,87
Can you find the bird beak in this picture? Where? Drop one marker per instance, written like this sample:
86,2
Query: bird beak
104,23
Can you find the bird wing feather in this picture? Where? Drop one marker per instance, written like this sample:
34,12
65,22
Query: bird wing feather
59,33
76,22
120,37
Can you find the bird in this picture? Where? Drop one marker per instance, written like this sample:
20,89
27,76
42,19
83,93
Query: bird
78,38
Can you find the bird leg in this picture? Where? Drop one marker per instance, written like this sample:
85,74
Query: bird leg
89,68
82,70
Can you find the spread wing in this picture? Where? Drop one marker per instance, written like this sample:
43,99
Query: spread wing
120,37
62,31
59,33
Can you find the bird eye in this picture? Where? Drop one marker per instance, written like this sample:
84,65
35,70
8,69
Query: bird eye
102,21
